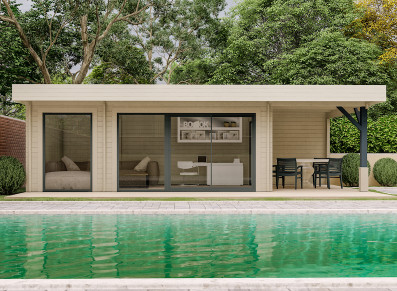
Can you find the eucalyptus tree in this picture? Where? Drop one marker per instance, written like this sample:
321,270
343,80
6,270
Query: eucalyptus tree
64,34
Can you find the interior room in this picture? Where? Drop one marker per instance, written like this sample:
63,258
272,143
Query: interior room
67,152
202,151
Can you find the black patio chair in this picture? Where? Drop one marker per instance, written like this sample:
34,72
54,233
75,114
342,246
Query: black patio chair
334,170
320,171
288,168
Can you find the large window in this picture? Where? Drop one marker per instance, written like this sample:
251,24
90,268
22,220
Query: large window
141,152
211,151
186,152
67,152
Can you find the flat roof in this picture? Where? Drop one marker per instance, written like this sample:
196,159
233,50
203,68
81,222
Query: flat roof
363,94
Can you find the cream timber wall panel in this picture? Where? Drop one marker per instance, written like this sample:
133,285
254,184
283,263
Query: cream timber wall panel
299,135
28,149
263,149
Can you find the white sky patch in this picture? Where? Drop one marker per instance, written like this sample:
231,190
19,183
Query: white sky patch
25,4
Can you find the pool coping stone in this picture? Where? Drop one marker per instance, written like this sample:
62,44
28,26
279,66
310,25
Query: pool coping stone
199,207
285,284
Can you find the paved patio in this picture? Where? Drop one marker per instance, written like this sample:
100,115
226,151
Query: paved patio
323,193
198,207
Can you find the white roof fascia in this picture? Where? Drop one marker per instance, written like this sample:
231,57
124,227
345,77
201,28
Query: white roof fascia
201,93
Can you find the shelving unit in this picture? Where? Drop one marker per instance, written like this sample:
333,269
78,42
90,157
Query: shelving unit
198,129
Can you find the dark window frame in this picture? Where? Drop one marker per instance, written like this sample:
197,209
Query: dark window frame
44,146
167,155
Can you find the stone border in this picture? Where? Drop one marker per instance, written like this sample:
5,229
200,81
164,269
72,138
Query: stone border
196,211
279,284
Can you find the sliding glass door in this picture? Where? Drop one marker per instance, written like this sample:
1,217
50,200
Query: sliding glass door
186,152
212,152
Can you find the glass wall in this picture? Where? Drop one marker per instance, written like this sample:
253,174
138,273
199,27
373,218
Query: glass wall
190,144
141,152
67,152
211,151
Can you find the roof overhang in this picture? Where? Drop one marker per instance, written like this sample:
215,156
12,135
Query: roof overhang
278,95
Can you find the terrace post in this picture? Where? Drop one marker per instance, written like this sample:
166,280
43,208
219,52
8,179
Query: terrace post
361,125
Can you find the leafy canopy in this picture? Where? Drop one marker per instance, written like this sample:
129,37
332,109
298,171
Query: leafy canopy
329,59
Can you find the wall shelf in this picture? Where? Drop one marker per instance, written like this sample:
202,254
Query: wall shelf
198,129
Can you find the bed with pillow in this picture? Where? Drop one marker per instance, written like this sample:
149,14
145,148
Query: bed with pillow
67,175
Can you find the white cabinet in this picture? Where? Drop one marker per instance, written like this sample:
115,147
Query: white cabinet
225,174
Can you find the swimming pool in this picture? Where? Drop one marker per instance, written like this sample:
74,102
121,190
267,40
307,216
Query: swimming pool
205,246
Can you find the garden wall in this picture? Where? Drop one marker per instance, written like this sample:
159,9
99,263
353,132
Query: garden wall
372,158
12,138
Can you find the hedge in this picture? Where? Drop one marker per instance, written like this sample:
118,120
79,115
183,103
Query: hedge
382,135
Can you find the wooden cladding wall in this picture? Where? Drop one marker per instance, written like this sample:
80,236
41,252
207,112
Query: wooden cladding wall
301,135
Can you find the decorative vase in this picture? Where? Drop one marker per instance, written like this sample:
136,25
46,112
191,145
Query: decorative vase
226,124
233,124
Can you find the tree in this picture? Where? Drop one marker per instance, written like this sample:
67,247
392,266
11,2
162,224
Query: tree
378,25
198,71
263,30
168,37
16,66
329,59
52,27
10,108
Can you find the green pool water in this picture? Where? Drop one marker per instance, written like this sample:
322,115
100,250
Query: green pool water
173,246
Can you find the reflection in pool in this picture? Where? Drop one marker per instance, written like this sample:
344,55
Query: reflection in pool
161,246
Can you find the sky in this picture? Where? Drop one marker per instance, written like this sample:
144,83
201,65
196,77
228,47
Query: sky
26,4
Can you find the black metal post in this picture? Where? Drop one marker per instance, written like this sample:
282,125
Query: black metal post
363,137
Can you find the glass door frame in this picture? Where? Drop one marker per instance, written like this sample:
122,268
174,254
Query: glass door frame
167,155
44,152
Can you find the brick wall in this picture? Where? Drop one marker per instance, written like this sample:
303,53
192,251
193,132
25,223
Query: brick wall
12,138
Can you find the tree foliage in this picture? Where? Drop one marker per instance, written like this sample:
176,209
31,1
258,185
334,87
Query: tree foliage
59,34
329,59
16,66
168,36
263,30
378,25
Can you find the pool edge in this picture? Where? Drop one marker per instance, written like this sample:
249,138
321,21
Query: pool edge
197,283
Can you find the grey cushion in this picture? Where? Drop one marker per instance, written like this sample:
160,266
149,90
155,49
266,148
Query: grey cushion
54,166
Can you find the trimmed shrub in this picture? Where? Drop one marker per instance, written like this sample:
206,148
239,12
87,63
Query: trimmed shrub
350,169
385,172
12,175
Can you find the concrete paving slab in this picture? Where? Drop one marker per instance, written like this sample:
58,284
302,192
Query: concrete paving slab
200,207
323,193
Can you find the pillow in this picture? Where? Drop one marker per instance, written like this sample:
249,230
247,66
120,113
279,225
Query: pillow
142,166
70,165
